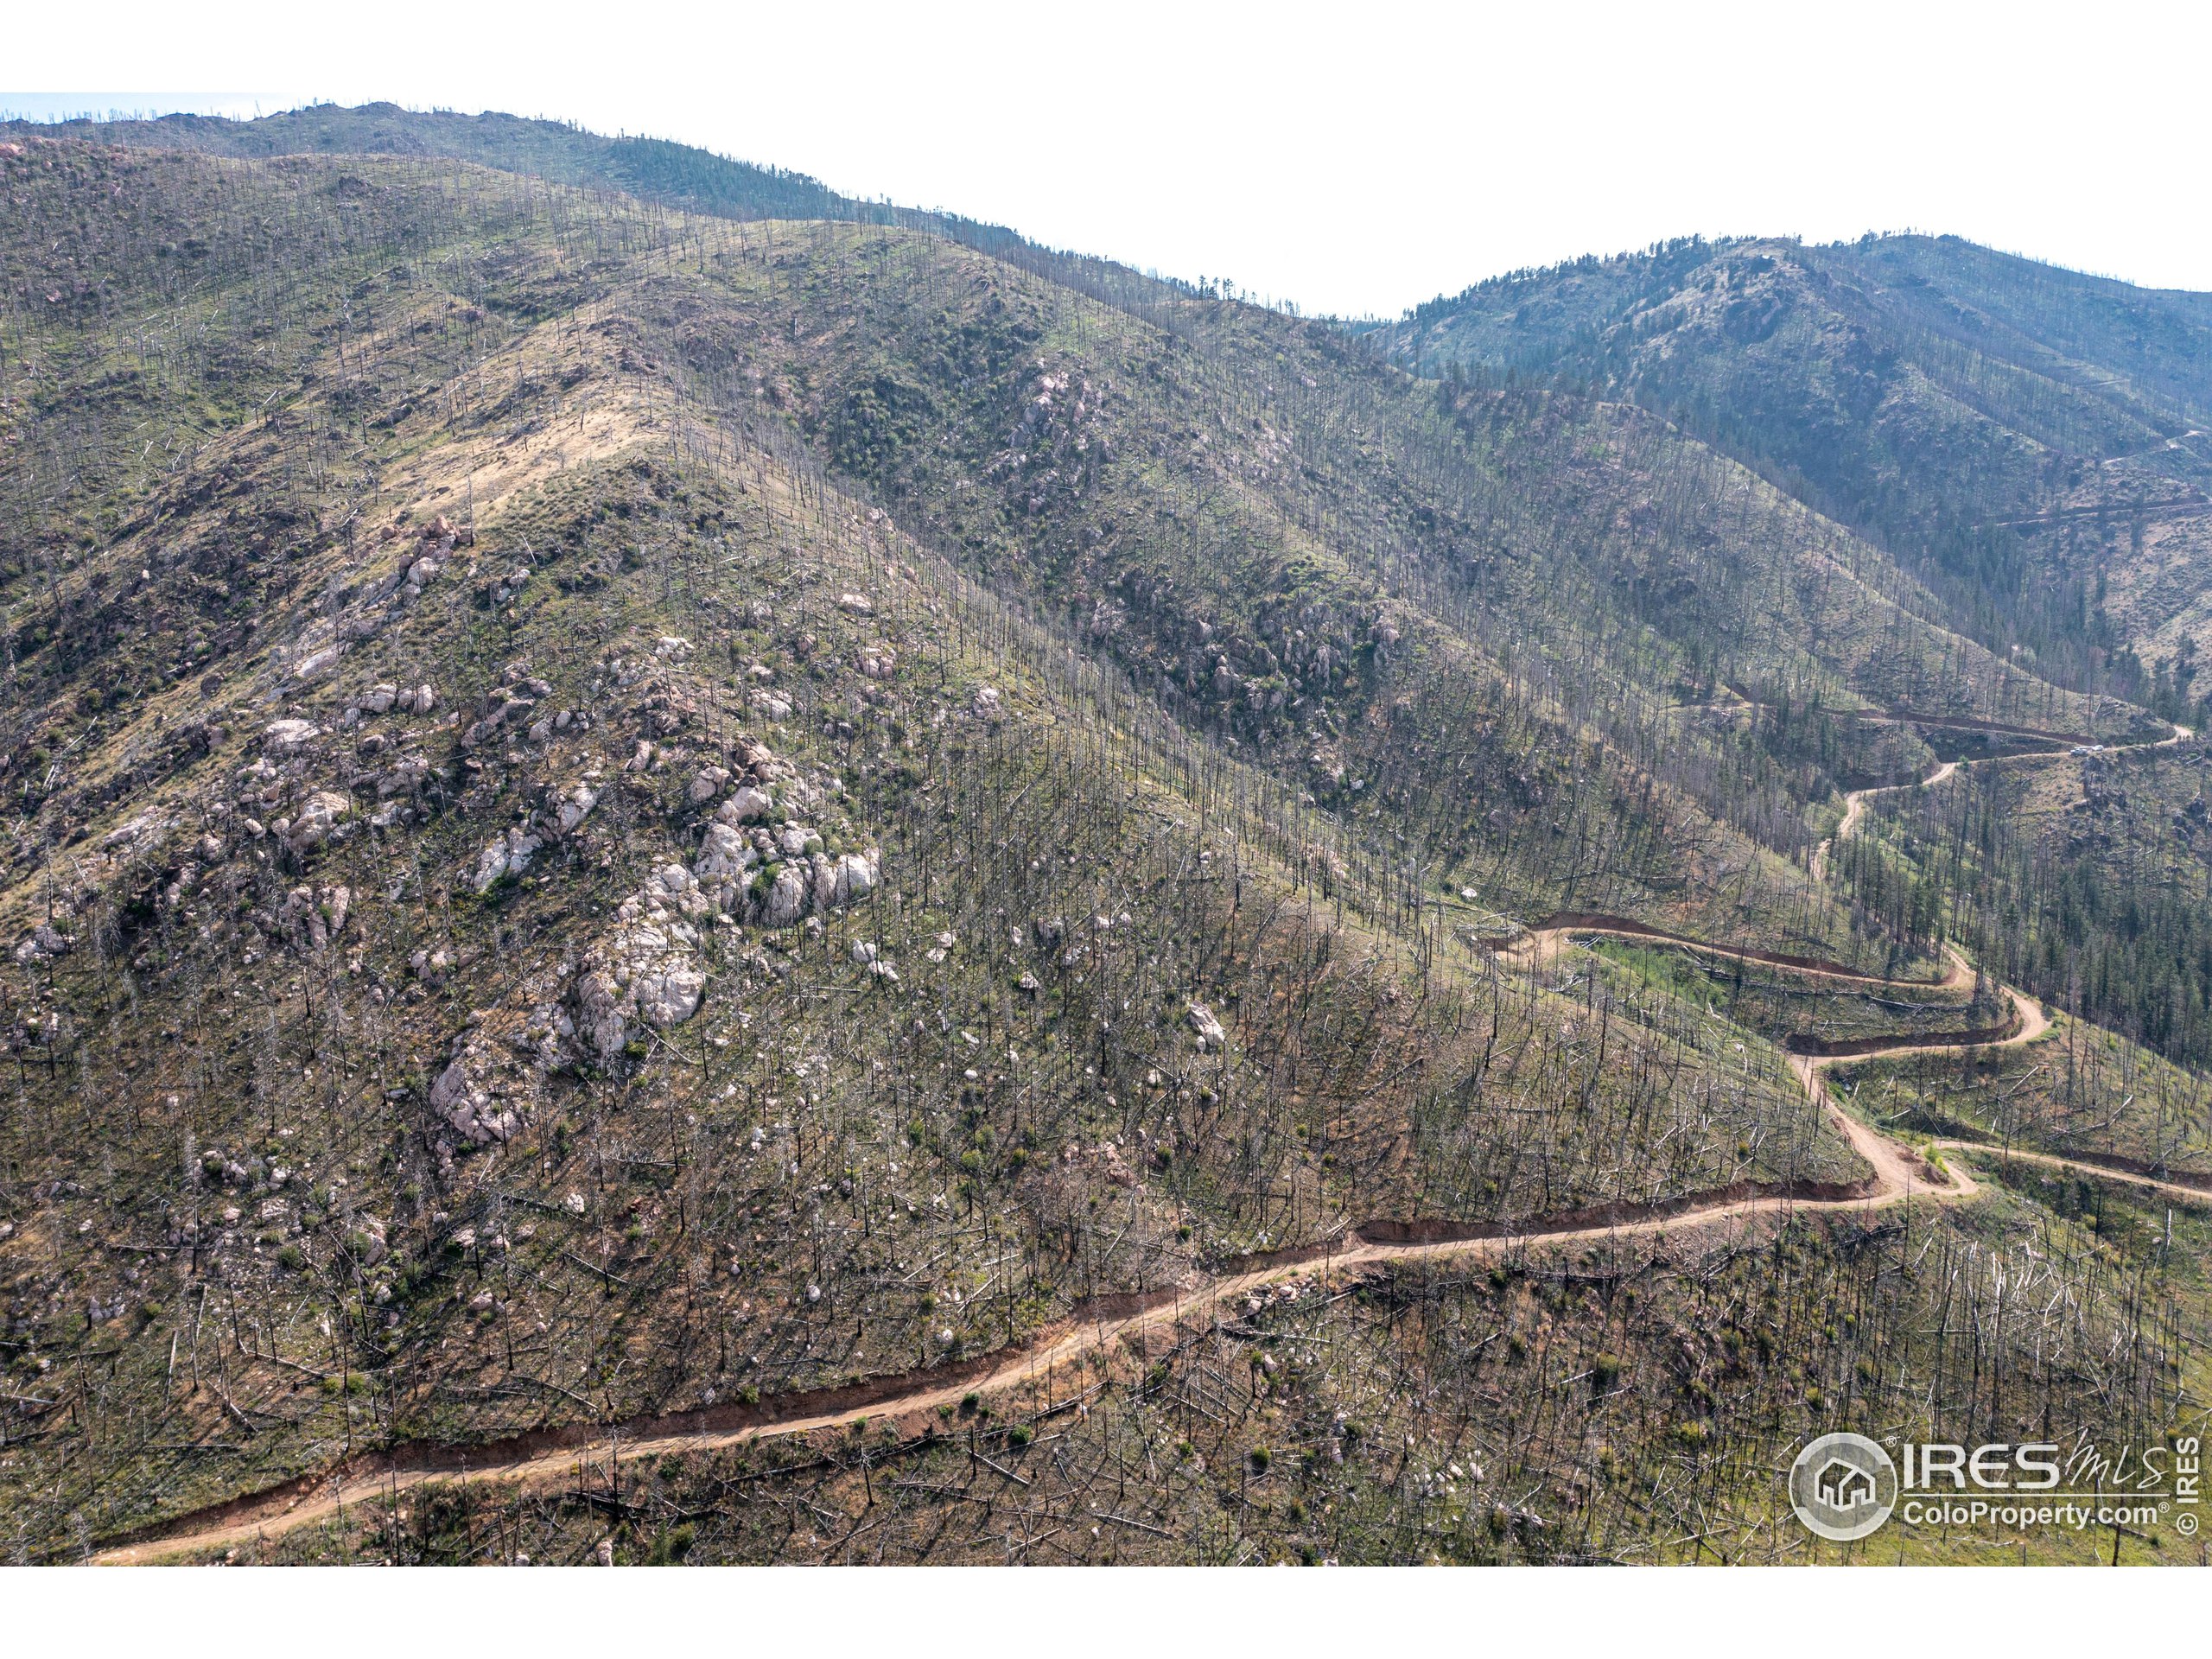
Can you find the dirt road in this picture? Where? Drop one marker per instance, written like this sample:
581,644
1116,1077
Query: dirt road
1899,1175
1855,803
1854,808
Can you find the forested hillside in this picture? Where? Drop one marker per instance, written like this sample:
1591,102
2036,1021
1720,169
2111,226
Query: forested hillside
641,801
2022,438
645,169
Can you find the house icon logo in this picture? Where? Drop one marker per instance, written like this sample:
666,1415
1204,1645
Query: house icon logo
1843,1486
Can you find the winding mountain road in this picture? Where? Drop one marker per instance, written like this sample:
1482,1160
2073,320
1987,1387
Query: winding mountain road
557,1456
1854,808
1855,803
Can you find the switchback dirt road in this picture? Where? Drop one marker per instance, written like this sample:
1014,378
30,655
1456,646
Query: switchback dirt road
1899,1176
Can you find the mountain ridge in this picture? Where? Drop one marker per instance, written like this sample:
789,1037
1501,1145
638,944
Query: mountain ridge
616,814
1889,383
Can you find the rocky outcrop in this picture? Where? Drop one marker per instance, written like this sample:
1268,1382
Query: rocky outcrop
311,918
725,856
288,737
787,897
647,973
573,806
45,943
319,820
505,858
755,865
854,875
465,1105
747,804
1210,1037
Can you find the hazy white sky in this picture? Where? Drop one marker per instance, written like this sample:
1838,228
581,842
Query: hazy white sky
1354,159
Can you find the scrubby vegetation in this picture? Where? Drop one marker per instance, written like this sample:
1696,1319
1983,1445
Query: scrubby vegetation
2081,876
1614,1405
621,815
2026,440
2080,1091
